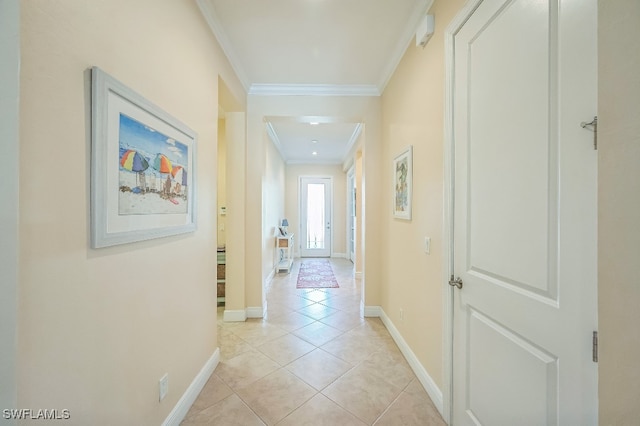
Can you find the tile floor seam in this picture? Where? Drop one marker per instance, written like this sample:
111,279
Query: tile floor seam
249,407
346,409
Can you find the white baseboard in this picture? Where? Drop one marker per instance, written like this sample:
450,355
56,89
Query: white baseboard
372,311
188,398
239,315
340,255
271,274
255,312
425,379
358,275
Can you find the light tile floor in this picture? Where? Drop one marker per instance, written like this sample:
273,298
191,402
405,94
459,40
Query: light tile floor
313,360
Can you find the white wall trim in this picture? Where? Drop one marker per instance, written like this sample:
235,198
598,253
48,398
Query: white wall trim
275,139
214,24
309,162
419,12
421,373
255,312
352,140
271,275
372,311
239,315
188,398
9,206
358,275
314,90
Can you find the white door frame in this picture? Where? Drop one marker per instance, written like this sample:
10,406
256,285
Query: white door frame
301,238
351,205
9,208
447,240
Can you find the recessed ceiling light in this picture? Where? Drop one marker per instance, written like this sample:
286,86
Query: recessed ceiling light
314,153
314,141
314,123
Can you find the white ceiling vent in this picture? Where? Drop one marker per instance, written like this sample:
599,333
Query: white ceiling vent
425,30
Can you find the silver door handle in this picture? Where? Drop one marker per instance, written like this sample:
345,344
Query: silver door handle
457,282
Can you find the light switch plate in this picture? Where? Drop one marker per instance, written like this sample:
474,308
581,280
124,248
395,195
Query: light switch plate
427,245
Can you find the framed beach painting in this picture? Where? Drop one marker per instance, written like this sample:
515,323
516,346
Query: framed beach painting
403,183
142,167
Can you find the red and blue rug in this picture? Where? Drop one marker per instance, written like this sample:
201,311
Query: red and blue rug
316,273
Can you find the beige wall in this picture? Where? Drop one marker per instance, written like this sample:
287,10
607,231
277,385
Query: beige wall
619,210
273,195
222,182
292,201
236,255
98,328
412,112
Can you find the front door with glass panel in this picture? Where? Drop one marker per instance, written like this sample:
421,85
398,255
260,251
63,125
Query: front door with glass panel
315,217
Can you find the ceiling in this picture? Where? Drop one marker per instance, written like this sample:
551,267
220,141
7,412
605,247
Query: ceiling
314,47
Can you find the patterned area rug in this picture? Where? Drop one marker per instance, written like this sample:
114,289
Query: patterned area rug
316,273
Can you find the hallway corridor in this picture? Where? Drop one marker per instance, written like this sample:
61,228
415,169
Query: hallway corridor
313,360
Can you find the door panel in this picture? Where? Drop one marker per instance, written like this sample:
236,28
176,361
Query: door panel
315,217
512,145
524,226
499,357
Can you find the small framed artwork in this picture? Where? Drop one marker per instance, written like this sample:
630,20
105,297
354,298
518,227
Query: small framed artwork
403,183
143,177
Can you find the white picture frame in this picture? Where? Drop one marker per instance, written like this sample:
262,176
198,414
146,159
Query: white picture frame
143,167
403,184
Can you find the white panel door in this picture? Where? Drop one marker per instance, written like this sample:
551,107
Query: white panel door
315,217
525,214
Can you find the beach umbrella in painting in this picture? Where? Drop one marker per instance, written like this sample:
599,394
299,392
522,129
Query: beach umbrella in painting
163,165
134,162
179,175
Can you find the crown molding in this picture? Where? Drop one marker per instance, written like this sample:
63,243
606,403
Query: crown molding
314,162
419,12
210,16
276,140
314,90
352,140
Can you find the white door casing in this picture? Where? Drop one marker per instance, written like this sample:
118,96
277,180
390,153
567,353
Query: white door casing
316,242
351,214
524,177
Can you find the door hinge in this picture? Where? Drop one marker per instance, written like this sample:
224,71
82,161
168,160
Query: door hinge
594,347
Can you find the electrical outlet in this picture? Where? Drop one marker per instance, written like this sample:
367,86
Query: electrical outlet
164,386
